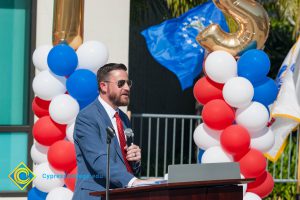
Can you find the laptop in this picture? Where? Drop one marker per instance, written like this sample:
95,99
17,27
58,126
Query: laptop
203,172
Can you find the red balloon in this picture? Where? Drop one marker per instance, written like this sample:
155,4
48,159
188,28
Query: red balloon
253,164
206,90
40,107
217,114
258,180
235,139
46,131
62,156
238,156
265,186
70,180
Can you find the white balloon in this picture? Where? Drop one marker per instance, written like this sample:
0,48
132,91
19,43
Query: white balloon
47,85
47,178
63,109
216,155
220,66
251,196
92,55
254,117
205,137
38,153
262,140
60,193
70,132
244,185
39,57
238,92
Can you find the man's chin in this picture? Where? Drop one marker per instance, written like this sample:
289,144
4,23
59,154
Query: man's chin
123,103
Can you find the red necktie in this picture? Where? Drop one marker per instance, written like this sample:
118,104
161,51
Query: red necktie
122,140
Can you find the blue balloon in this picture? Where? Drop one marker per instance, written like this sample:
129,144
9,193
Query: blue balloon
35,194
82,85
62,60
83,104
266,92
254,65
251,45
200,154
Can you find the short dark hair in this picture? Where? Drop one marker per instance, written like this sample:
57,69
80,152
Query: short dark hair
103,72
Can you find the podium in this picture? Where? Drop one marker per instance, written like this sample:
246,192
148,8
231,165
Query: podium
196,190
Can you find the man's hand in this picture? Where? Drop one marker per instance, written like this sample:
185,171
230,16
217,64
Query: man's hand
133,153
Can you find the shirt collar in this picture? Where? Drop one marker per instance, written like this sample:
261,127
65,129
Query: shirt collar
109,110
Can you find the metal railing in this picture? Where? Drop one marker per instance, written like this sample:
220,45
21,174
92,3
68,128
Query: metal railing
168,139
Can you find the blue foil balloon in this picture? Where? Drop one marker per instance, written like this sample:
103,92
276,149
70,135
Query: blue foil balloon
82,85
266,92
35,194
62,60
254,65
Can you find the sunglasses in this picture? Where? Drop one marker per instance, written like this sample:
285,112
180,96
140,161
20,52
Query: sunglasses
121,83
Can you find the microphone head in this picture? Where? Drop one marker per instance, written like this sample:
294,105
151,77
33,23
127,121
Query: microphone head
110,132
128,132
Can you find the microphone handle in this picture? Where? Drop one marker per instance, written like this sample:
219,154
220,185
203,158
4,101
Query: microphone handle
129,141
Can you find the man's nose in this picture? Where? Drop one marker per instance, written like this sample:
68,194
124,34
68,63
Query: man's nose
126,87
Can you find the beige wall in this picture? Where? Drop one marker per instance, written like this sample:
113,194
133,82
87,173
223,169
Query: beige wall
106,21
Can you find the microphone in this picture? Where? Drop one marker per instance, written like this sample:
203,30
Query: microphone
130,136
110,134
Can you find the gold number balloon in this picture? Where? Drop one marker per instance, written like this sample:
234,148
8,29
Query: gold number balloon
253,30
68,22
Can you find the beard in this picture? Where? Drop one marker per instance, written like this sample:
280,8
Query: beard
119,100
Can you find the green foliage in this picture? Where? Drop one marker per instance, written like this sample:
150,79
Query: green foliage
282,32
179,7
278,45
285,168
283,191
289,11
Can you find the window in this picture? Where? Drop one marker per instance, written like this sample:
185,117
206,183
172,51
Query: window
17,40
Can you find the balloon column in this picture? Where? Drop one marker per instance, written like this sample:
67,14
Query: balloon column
235,96
65,84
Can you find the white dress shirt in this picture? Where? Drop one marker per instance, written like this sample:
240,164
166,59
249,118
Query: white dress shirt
111,113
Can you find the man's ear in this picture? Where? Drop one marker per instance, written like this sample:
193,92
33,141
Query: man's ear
103,87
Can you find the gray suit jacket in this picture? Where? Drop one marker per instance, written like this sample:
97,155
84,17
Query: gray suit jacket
90,144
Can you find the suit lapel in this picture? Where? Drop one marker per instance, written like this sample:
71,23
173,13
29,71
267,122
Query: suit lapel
107,121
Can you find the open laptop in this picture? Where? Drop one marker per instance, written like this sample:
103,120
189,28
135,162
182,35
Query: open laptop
203,172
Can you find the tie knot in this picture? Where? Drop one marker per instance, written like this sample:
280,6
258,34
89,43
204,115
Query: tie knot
117,115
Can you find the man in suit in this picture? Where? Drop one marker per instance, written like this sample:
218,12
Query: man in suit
90,137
